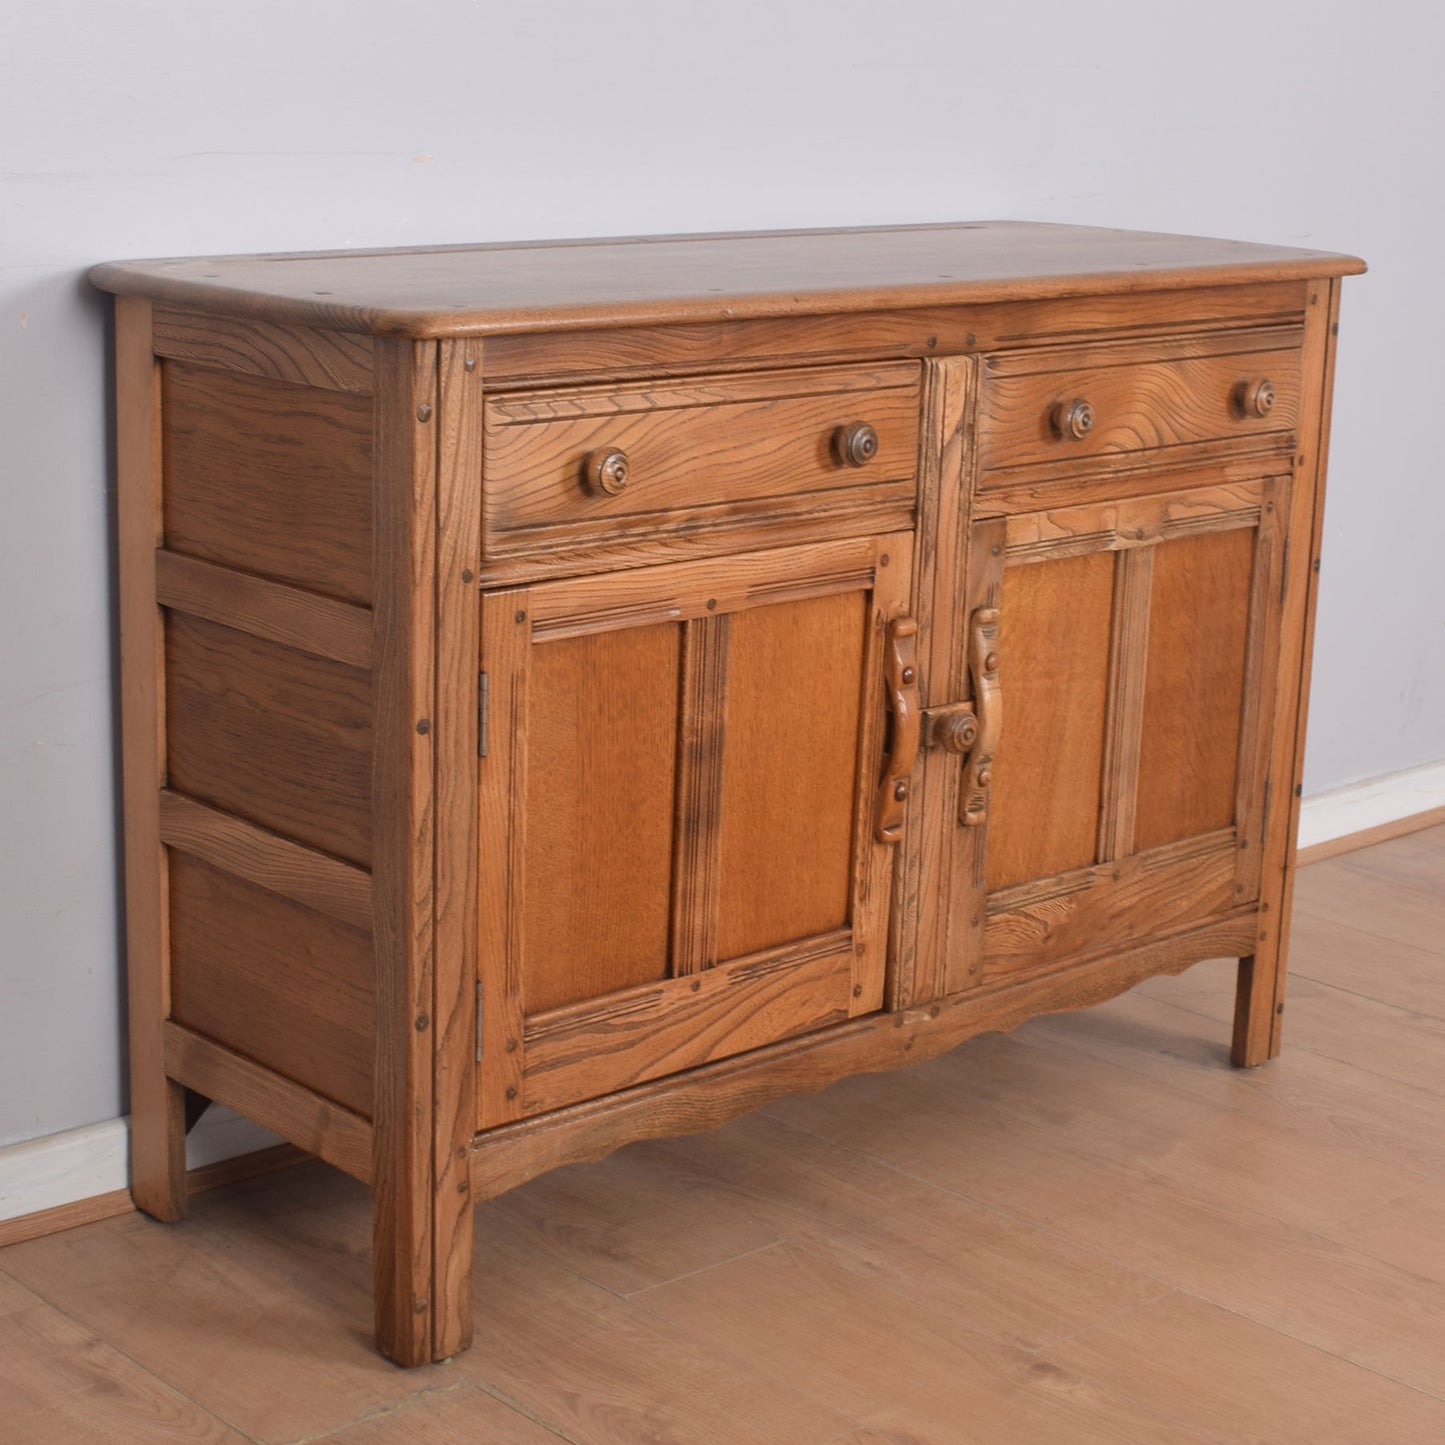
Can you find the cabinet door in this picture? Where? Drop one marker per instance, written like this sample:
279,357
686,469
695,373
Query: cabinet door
678,845
1122,662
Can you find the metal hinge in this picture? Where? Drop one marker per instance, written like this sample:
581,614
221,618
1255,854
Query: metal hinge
1284,578
479,1020
1264,819
481,714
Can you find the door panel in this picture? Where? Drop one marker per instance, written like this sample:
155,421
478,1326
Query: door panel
599,813
676,838
788,772
1135,671
1054,632
1194,686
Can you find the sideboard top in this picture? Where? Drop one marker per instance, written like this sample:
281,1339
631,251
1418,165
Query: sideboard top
553,285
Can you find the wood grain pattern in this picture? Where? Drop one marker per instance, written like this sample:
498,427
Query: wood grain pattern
1137,404
403,782
697,836
309,1120
158,1158
708,1096
490,289
683,590
786,834
1192,707
278,737
330,360
1121,523
1045,923
1055,630
648,823
942,332
269,477
458,620
690,446
267,860
62,1384
307,621
1260,994
1124,728
602,742
645,1033
502,854
918,948
271,979
1122,1111
577,548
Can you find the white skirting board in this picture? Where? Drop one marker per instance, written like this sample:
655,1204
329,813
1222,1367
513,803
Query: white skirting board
81,1163
1323,817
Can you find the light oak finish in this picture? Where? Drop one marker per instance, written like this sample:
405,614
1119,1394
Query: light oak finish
340,631
560,285
157,1102
269,477
317,1125
873,1263
597,689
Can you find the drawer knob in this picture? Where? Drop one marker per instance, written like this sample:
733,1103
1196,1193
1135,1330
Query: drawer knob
1073,419
1256,398
605,473
856,444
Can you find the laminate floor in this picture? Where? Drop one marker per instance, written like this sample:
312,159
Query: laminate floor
1090,1230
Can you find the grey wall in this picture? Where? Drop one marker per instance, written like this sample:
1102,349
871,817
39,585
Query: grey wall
166,127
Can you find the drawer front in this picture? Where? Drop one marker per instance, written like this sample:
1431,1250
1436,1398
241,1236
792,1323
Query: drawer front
698,455
1059,407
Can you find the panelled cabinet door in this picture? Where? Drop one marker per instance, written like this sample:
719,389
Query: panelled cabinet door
1122,664
679,845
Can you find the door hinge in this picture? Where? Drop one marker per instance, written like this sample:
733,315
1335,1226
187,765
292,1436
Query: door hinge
1264,815
481,714
479,1020
1284,572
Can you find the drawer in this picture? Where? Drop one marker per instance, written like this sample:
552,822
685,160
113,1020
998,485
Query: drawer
630,469
1059,407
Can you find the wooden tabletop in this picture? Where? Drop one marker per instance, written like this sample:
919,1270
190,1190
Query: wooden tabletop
552,285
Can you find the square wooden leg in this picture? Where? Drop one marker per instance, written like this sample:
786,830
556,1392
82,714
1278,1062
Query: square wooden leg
158,1145
1256,1010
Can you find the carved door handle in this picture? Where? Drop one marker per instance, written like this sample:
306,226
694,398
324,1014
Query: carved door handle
901,674
988,707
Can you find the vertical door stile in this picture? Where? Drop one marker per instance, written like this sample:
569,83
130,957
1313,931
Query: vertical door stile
922,873
501,849
1124,719
1261,668
873,861
967,906
697,838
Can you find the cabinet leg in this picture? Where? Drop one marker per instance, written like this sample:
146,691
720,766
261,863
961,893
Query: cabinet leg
1256,1026
158,1147
423,1300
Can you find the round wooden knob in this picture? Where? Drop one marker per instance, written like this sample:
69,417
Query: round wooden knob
957,734
605,473
856,444
1257,397
1073,419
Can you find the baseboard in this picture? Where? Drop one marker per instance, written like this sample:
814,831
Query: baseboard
59,1170
1352,817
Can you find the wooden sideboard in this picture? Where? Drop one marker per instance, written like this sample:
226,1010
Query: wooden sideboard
577,692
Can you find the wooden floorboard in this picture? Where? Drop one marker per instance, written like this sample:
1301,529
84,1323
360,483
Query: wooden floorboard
1090,1230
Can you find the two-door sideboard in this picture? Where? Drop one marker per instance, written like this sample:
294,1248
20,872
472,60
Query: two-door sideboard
578,692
